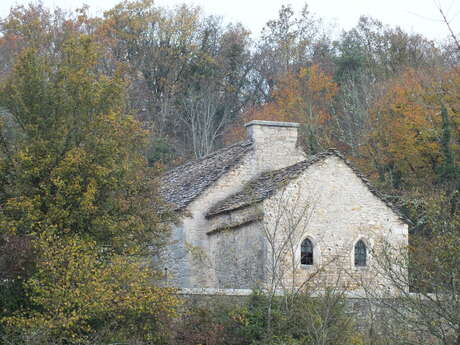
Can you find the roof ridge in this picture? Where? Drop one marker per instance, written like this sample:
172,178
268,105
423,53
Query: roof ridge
242,143
225,205
372,188
182,184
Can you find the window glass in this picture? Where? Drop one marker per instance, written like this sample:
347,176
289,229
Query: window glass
306,252
360,253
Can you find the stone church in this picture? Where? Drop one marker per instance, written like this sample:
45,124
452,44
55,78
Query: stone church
260,212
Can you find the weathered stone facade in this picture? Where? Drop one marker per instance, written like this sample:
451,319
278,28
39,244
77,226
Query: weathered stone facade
262,204
338,210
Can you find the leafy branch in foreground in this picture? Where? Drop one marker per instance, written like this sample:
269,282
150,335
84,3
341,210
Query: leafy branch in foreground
77,195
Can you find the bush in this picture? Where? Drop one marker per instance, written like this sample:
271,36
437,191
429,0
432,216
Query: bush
81,295
300,319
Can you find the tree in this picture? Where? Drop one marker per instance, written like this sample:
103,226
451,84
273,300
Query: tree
383,51
36,26
75,189
291,286
303,97
449,26
191,73
74,163
287,44
83,295
448,172
427,300
283,230
367,56
405,143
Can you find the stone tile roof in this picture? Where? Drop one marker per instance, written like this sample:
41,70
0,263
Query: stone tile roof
267,183
181,185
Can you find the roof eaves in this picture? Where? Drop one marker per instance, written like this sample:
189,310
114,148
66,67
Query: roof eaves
372,189
224,206
234,225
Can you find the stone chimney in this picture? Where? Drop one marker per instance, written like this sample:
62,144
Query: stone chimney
275,144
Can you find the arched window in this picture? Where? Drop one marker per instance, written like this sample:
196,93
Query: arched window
360,254
306,252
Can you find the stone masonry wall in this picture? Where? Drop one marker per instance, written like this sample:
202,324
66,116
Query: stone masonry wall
327,203
239,255
193,257
340,210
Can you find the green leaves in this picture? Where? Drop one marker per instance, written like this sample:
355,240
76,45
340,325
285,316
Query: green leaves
81,291
76,188
79,157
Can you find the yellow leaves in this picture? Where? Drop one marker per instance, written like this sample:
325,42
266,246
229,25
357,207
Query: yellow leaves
76,163
76,284
303,97
76,184
407,124
89,197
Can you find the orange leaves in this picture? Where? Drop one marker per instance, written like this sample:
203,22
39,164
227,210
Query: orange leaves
304,97
406,121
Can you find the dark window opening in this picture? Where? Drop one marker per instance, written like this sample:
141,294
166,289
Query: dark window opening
360,254
306,252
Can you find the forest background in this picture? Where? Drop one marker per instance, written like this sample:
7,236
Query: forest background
94,108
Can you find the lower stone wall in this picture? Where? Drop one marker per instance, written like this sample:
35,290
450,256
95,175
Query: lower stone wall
365,311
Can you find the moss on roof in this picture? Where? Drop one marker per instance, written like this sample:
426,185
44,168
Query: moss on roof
181,185
263,186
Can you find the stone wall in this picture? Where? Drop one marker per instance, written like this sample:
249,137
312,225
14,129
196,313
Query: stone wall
275,145
340,210
193,256
328,203
365,312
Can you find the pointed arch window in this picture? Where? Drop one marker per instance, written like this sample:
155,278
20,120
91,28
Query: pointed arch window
360,254
306,252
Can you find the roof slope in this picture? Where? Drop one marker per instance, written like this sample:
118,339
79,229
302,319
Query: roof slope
184,183
267,183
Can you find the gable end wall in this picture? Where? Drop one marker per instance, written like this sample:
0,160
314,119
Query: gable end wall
342,210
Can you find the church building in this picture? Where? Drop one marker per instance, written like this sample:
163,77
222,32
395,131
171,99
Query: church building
261,213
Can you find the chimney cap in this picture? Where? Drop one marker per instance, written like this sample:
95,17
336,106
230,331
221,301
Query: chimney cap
272,123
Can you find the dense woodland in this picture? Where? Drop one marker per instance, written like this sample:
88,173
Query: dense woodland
93,109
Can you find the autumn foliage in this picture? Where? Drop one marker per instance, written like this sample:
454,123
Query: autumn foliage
405,140
82,294
92,106
80,208
304,97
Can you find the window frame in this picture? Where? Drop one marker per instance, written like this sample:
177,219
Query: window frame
312,248
356,258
